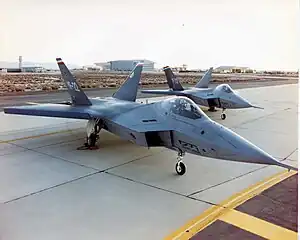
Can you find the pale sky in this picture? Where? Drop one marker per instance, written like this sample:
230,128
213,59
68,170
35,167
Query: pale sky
200,33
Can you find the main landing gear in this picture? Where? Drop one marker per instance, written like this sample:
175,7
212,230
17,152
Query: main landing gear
180,166
223,115
92,129
212,109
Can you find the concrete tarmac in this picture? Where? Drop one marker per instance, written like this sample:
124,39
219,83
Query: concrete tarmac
50,190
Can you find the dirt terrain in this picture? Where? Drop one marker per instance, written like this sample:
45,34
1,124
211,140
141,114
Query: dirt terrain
36,82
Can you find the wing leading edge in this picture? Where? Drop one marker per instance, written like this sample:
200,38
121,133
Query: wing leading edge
163,92
50,110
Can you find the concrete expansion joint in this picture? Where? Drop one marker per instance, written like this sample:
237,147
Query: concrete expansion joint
158,188
55,157
229,180
52,187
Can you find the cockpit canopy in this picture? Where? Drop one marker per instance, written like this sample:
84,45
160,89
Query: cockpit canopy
225,88
184,107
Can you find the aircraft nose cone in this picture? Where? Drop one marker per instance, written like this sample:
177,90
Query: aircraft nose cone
243,103
244,151
261,157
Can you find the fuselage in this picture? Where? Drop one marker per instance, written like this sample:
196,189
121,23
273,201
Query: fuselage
186,127
220,97
176,123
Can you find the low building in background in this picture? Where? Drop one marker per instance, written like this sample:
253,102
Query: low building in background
105,66
24,69
233,69
182,68
10,70
128,65
3,70
92,68
33,69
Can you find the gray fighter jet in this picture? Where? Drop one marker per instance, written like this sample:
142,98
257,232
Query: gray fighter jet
176,123
221,96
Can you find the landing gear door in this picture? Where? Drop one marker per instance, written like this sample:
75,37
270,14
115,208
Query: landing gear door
167,138
158,139
214,102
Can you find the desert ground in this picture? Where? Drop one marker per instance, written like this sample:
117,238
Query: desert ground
36,82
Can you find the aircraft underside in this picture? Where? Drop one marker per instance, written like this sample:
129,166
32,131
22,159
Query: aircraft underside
170,139
212,104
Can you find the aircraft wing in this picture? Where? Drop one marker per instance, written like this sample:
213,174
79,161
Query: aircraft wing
163,92
200,93
54,110
128,119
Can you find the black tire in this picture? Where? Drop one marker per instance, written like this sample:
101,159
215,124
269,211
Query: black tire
92,140
223,116
180,168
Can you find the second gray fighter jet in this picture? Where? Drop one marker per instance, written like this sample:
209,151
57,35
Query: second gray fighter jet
222,96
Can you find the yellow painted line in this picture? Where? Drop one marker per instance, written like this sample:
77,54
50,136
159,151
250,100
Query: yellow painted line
239,198
257,226
40,135
212,214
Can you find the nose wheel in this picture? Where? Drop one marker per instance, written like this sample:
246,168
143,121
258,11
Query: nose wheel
223,115
180,166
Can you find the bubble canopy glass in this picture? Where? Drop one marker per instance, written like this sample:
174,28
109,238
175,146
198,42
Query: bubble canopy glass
226,88
184,107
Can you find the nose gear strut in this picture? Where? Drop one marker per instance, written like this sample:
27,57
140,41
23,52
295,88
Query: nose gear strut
180,166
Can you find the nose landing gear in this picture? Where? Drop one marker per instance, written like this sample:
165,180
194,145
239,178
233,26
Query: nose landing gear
223,115
180,166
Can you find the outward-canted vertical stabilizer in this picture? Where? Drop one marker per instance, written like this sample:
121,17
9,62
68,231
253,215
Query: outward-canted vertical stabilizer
204,81
172,80
129,88
77,95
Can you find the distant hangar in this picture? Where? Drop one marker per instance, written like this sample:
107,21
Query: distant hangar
233,69
127,65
